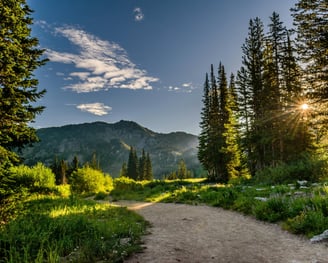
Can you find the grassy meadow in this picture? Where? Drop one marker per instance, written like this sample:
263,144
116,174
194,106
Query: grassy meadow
62,225
56,229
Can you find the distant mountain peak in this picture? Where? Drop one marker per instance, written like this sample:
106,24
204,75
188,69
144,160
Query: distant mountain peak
111,142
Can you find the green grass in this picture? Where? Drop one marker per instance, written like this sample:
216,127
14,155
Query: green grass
70,230
300,210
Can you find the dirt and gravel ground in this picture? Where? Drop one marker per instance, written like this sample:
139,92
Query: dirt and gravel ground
183,233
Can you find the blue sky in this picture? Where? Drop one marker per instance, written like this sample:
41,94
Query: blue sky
139,60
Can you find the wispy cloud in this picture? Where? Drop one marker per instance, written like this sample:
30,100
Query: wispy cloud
138,14
96,108
187,87
99,64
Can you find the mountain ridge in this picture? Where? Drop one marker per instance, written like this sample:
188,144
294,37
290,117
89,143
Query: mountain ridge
111,143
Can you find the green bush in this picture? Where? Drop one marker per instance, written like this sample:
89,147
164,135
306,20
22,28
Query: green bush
309,223
87,180
127,184
38,178
310,167
273,210
101,196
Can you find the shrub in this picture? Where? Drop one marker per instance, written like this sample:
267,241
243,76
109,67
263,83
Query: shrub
309,223
38,178
273,210
310,167
87,180
127,184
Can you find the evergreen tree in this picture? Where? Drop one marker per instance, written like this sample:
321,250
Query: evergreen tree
215,140
253,63
203,138
182,172
311,21
20,56
245,114
142,174
63,172
218,148
75,164
124,170
94,162
148,168
132,169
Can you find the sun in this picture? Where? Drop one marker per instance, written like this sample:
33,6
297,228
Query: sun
304,106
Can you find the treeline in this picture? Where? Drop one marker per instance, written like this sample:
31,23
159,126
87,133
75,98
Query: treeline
272,112
181,173
63,169
137,168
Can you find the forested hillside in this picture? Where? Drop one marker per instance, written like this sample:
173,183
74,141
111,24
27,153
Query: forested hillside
111,144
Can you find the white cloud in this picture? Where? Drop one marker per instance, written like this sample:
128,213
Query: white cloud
138,14
187,85
99,64
96,108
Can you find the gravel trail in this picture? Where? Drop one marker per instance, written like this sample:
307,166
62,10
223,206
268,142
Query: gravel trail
184,233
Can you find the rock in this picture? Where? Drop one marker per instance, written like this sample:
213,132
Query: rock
322,237
303,182
263,199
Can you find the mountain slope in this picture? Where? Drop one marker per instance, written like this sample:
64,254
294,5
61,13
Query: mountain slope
111,143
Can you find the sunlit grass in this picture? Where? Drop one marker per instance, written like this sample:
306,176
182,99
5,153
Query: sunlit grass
56,229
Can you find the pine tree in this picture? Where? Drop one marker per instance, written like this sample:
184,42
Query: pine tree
182,172
218,149
203,138
253,63
20,56
245,114
142,174
132,169
311,21
124,170
148,168
63,172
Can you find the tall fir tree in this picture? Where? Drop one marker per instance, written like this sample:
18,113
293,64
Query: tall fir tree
203,138
148,168
132,169
253,63
20,56
311,21
142,173
124,170
218,149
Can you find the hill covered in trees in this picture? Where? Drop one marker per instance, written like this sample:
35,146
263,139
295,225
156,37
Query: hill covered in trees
111,144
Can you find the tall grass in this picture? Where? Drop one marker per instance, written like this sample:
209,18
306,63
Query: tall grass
70,230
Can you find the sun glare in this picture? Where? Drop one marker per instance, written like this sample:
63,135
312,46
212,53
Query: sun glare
304,106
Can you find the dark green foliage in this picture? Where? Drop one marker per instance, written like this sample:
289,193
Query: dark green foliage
132,170
19,57
138,168
218,149
275,209
308,167
181,173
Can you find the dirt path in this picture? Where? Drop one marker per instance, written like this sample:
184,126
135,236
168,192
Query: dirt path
183,233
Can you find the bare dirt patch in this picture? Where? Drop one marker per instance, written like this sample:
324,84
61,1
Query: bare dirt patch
183,233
